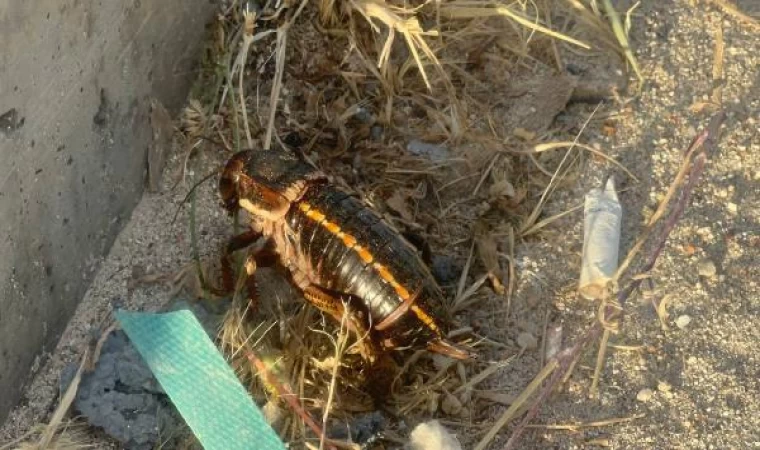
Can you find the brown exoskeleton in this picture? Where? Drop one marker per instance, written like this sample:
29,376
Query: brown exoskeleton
337,251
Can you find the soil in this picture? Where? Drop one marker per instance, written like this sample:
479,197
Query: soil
694,384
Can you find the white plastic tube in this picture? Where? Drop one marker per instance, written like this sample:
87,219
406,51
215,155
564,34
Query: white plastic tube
601,241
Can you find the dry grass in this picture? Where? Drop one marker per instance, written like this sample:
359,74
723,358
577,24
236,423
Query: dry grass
350,82
58,434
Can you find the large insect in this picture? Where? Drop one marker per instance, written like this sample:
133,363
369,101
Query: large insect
337,251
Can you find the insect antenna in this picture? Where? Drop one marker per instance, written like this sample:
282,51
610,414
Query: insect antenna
192,190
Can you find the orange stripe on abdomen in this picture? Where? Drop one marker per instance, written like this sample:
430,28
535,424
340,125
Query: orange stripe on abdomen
368,258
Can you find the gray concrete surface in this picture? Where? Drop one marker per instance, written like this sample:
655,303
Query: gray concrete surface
76,78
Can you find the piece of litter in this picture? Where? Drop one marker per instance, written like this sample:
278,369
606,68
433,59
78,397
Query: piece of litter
122,397
601,241
683,321
645,395
433,436
198,380
553,341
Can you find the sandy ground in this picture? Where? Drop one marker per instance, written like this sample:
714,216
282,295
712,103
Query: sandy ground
703,377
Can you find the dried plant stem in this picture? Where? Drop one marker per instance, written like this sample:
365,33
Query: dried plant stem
594,424
694,168
247,41
340,347
284,391
599,363
194,243
528,224
620,34
63,407
677,181
282,41
717,94
511,412
729,8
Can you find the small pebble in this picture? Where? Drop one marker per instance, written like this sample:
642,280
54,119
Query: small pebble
432,151
683,321
451,405
645,395
527,341
732,208
706,268
442,362
376,133
664,386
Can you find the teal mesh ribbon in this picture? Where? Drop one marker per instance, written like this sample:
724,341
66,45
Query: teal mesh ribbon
199,382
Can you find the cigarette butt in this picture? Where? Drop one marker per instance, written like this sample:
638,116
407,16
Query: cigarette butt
553,341
601,241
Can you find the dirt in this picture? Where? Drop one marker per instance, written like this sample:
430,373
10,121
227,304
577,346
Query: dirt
693,385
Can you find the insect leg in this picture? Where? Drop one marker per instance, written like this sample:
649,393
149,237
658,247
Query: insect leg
264,257
358,321
236,243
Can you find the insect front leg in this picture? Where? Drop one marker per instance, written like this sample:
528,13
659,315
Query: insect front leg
238,242
264,257
334,303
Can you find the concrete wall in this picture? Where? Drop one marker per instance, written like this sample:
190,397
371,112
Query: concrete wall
75,82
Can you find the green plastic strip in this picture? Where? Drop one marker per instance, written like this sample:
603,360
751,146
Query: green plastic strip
199,381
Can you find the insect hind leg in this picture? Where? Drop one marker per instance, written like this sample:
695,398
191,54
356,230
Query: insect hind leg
334,303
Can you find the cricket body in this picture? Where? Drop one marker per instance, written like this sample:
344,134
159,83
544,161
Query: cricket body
338,252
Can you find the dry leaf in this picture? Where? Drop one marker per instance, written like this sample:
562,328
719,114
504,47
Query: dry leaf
608,129
451,405
489,256
662,312
397,202
501,188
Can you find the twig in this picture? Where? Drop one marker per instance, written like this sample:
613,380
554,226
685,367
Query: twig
282,40
511,412
698,141
194,244
620,34
340,346
530,221
729,8
594,424
63,407
599,363
718,81
705,142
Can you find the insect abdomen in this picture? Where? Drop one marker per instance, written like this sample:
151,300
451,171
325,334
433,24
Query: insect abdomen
351,250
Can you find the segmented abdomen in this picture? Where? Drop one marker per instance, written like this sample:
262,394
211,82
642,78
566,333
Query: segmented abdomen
351,250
